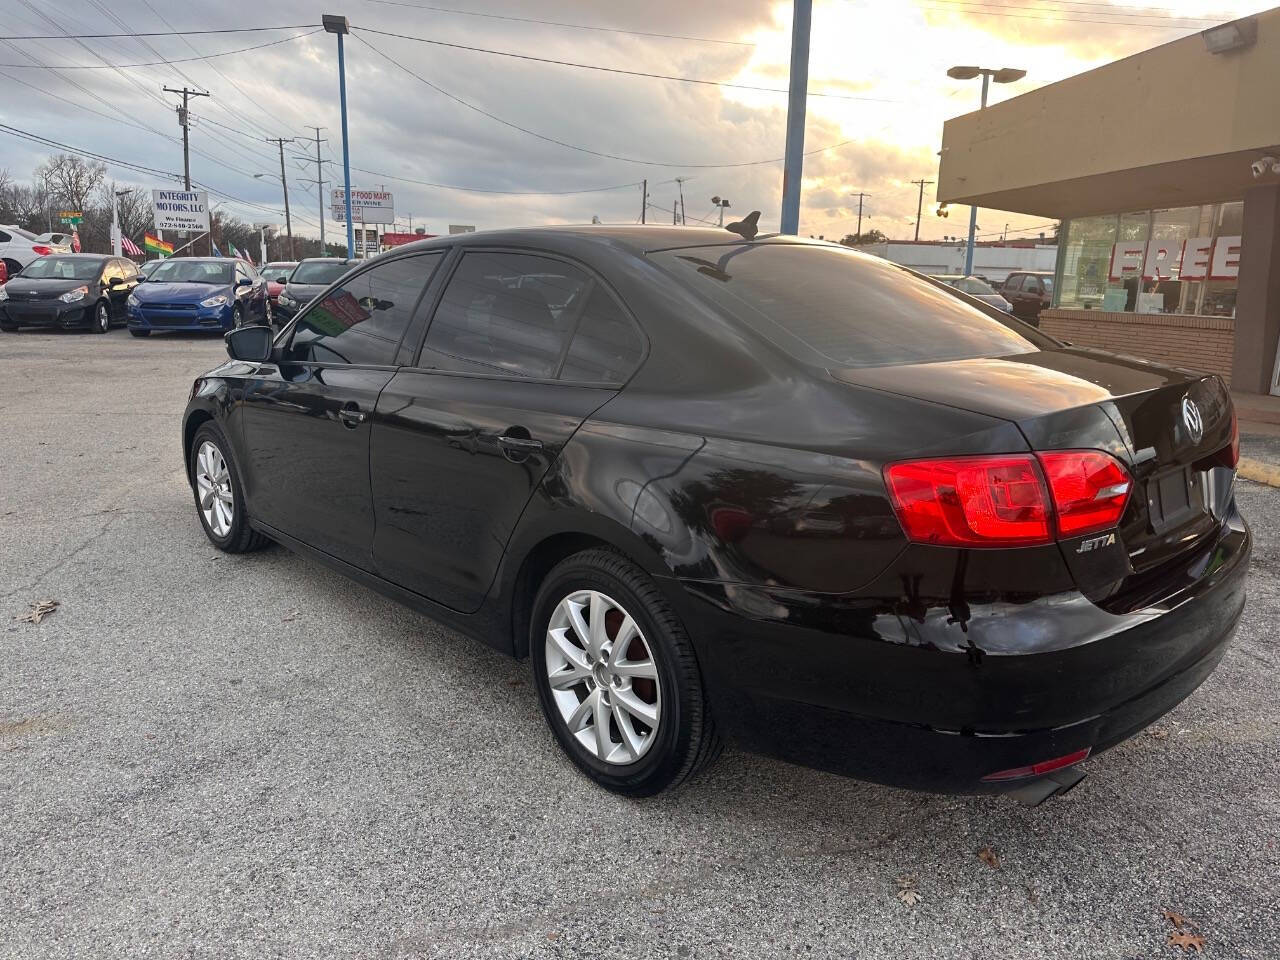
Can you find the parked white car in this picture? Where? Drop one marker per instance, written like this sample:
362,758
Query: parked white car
18,247
55,239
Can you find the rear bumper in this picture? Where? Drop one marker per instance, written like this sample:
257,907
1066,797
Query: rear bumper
48,313
851,688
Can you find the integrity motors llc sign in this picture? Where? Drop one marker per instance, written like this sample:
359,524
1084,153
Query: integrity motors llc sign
181,210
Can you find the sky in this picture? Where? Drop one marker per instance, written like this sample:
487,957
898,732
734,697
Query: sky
879,65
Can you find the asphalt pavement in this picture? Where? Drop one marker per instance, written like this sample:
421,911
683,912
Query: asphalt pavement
214,756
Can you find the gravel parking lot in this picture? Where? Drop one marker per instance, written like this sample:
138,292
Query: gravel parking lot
245,757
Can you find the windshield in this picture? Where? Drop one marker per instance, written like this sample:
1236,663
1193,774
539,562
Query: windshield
277,271
835,306
192,271
150,267
61,268
318,272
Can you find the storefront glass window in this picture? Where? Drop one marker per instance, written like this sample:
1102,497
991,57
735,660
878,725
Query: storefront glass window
1177,260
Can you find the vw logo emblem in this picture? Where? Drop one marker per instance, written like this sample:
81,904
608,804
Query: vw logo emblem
1191,417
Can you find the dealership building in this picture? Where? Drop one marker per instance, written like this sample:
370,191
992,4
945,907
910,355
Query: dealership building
1164,170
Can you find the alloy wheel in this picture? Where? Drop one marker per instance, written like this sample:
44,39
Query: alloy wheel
213,484
603,677
104,318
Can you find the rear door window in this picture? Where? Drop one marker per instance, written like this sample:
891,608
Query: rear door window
842,308
362,320
607,346
506,313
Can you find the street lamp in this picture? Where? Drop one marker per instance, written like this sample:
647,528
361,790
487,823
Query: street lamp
1001,75
288,221
115,221
336,24
721,204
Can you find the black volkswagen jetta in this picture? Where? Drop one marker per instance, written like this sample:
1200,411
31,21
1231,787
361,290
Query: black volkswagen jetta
69,290
776,491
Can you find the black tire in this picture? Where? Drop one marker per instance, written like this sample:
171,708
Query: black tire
141,333
101,320
9,327
686,738
237,317
240,538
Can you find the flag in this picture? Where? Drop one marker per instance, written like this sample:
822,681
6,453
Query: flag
128,246
156,245
214,247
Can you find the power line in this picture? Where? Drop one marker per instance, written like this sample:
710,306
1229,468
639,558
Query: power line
618,70
157,63
559,23
101,157
581,149
156,33
963,8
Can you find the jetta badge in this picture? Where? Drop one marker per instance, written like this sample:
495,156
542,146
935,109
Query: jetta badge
1191,417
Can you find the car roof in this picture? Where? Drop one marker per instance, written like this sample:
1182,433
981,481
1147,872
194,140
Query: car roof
88,256
636,238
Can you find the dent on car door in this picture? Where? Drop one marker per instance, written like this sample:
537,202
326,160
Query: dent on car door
306,415
522,348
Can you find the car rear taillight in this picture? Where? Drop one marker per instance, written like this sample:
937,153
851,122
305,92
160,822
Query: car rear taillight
1041,768
42,251
1089,488
1233,450
1008,500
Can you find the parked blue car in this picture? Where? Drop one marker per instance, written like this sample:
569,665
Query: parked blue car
199,293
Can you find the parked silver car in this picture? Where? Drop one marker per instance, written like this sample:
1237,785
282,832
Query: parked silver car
976,288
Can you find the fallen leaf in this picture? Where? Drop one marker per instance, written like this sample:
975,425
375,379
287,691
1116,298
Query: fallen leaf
553,935
1158,733
515,683
293,615
1177,919
1187,941
907,891
988,856
39,610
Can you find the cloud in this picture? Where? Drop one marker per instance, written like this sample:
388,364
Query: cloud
402,128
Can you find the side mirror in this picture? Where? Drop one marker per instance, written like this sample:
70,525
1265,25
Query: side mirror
244,282
115,281
251,344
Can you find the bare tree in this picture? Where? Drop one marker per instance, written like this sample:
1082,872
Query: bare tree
134,210
72,180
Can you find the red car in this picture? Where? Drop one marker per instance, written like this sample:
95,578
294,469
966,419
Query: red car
276,275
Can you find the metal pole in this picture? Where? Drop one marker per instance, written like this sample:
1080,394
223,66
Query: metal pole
722,206
920,203
319,187
288,222
346,148
116,246
973,211
644,199
793,164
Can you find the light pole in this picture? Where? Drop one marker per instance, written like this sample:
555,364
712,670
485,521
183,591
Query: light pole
797,98
115,220
721,204
1002,75
288,223
338,25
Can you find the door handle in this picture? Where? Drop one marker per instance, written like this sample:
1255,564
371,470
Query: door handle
351,416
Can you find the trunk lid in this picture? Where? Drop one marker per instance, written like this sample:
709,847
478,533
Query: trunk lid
1169,428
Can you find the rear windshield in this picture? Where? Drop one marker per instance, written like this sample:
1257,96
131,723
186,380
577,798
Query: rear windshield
318,272
840,307
62,268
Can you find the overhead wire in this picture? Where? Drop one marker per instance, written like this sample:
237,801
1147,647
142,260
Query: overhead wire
577,147
560,23
164,62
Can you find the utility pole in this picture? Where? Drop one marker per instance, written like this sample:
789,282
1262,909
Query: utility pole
797,97
288,222
680,186
920,203
861,196
184,121
644,199
675,213
320,185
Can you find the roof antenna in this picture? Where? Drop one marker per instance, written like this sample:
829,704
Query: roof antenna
747,227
